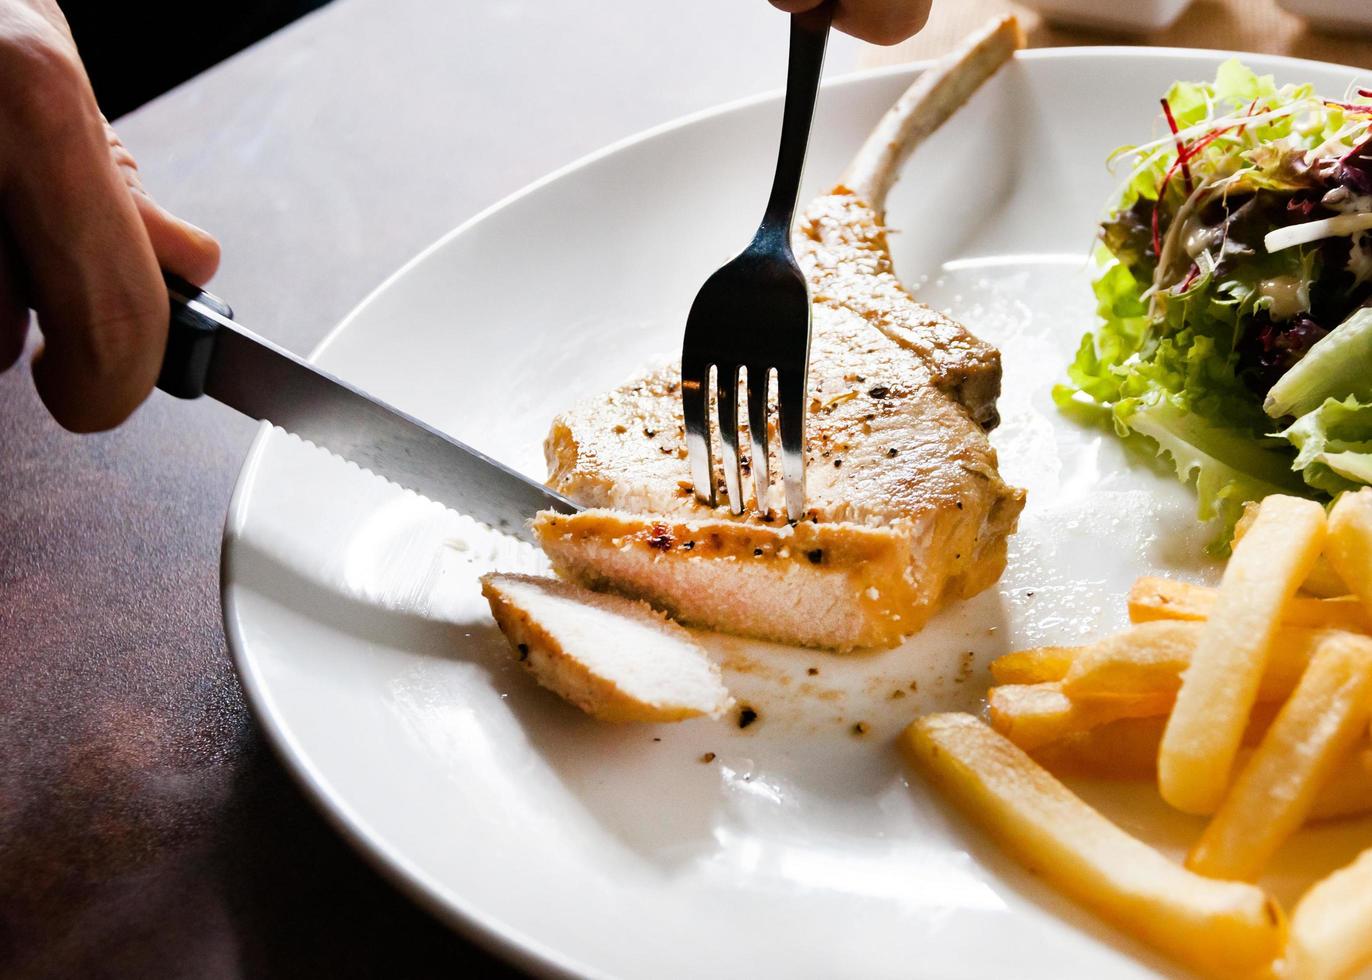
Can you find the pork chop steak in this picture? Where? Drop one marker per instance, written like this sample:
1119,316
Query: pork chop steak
906,508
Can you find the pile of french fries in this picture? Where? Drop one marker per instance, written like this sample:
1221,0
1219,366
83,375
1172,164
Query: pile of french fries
1250,704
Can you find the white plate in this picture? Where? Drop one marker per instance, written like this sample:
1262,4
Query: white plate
801,851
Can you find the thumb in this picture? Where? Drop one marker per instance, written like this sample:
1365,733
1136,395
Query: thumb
180,247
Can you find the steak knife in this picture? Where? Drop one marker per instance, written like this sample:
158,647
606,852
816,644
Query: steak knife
210,354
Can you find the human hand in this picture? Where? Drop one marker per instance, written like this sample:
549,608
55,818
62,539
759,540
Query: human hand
81,243
878,21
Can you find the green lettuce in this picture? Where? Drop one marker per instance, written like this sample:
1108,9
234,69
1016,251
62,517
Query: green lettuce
1169,367
1334,445
1175,392
1337,365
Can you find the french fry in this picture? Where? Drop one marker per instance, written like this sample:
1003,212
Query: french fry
1221,683
1274,793
1150,658
1331,928
1145,659
1033,666
1153,598
1348,793
1219,927
1128,749
1031,715
1322,581
1349,547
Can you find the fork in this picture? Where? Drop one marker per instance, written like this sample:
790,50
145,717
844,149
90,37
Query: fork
752,316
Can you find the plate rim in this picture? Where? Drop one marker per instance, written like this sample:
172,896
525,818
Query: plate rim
500,938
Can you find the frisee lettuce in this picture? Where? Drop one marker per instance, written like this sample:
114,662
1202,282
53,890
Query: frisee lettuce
1198,318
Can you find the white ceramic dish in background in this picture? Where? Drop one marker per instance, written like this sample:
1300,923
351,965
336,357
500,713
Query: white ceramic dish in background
1133,17
368,655
1333,15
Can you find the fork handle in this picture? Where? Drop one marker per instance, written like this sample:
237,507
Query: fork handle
809,37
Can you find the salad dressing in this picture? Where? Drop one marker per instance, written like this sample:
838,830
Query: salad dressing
1288,295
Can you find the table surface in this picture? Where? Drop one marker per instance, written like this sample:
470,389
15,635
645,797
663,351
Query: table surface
145,826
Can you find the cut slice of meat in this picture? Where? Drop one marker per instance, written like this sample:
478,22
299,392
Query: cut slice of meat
902,484
827,585
614,658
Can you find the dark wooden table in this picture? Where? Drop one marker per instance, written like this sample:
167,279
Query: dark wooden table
146,828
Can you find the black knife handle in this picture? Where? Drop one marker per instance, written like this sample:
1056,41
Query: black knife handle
190,338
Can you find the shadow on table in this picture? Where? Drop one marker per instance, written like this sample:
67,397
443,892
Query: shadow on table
309,906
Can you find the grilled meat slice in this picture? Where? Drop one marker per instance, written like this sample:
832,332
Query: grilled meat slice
614,658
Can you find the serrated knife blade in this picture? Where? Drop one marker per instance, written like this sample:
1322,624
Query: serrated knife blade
208,353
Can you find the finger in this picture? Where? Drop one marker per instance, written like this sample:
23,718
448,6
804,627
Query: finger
14,312
90,271
180,247
882,21
877,21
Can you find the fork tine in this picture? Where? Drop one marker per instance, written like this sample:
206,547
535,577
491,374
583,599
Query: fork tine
759,380
695,405
791,415
726,394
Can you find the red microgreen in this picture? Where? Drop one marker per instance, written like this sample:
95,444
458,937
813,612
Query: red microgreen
1364,108
1184,155
1195,148
1181,148
1302,206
